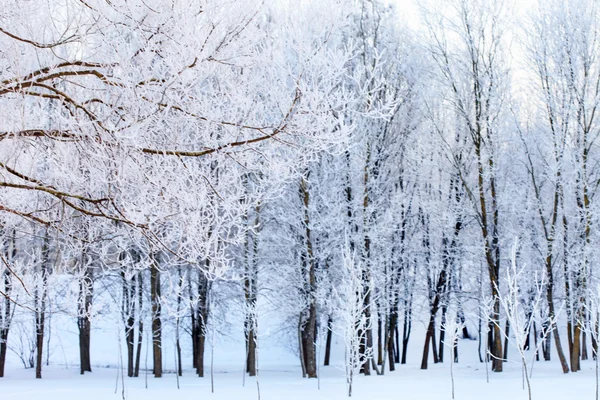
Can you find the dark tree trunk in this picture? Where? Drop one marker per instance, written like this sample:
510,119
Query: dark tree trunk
406,330
527,332
442,335
309,316
129,289
6,315
178,323
596,329
535,342
136,370
251,293
547,346
84,323
328,341
251,353
584,352
5,320
40,311
506,332
379,341
155,295
393,324
428,337
201,320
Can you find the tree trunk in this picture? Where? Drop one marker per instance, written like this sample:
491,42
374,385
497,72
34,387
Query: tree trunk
136,370
506,332
83,320
328,340
5,320
379,341
309,323
202,313
575,366
428,337
251,292
129,289
406,330
393,323
155,295
442,335
40,311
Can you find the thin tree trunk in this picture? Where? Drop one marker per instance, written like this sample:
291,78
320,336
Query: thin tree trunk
155,295
309,326
83,321
506,332
442,335
5,320
129,288
202,313
406,330
379,341
138,355
40,317
328,340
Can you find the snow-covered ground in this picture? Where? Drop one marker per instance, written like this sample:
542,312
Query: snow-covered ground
279,371
407,382
280,378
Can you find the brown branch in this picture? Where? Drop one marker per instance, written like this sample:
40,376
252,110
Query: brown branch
22,176
53,192
46,70
38,44
183,153
5,261
34,133
27,216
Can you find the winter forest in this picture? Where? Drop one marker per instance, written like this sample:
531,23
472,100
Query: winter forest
235,195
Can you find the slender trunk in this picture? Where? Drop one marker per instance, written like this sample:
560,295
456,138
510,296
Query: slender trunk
594,335
547,345
434,347
202,313
379,341
5,320
251,353
428,337
178,323
442,335
309,326
584,352
84,322
251,293
138,355
128,314
328,340
393,323
406,330
535,342
575,365
155,295
506,332
40,315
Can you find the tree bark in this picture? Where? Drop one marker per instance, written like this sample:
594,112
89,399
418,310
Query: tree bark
328,340
155,295
309,323
5,320
84,323
201,319
41,294
140,281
